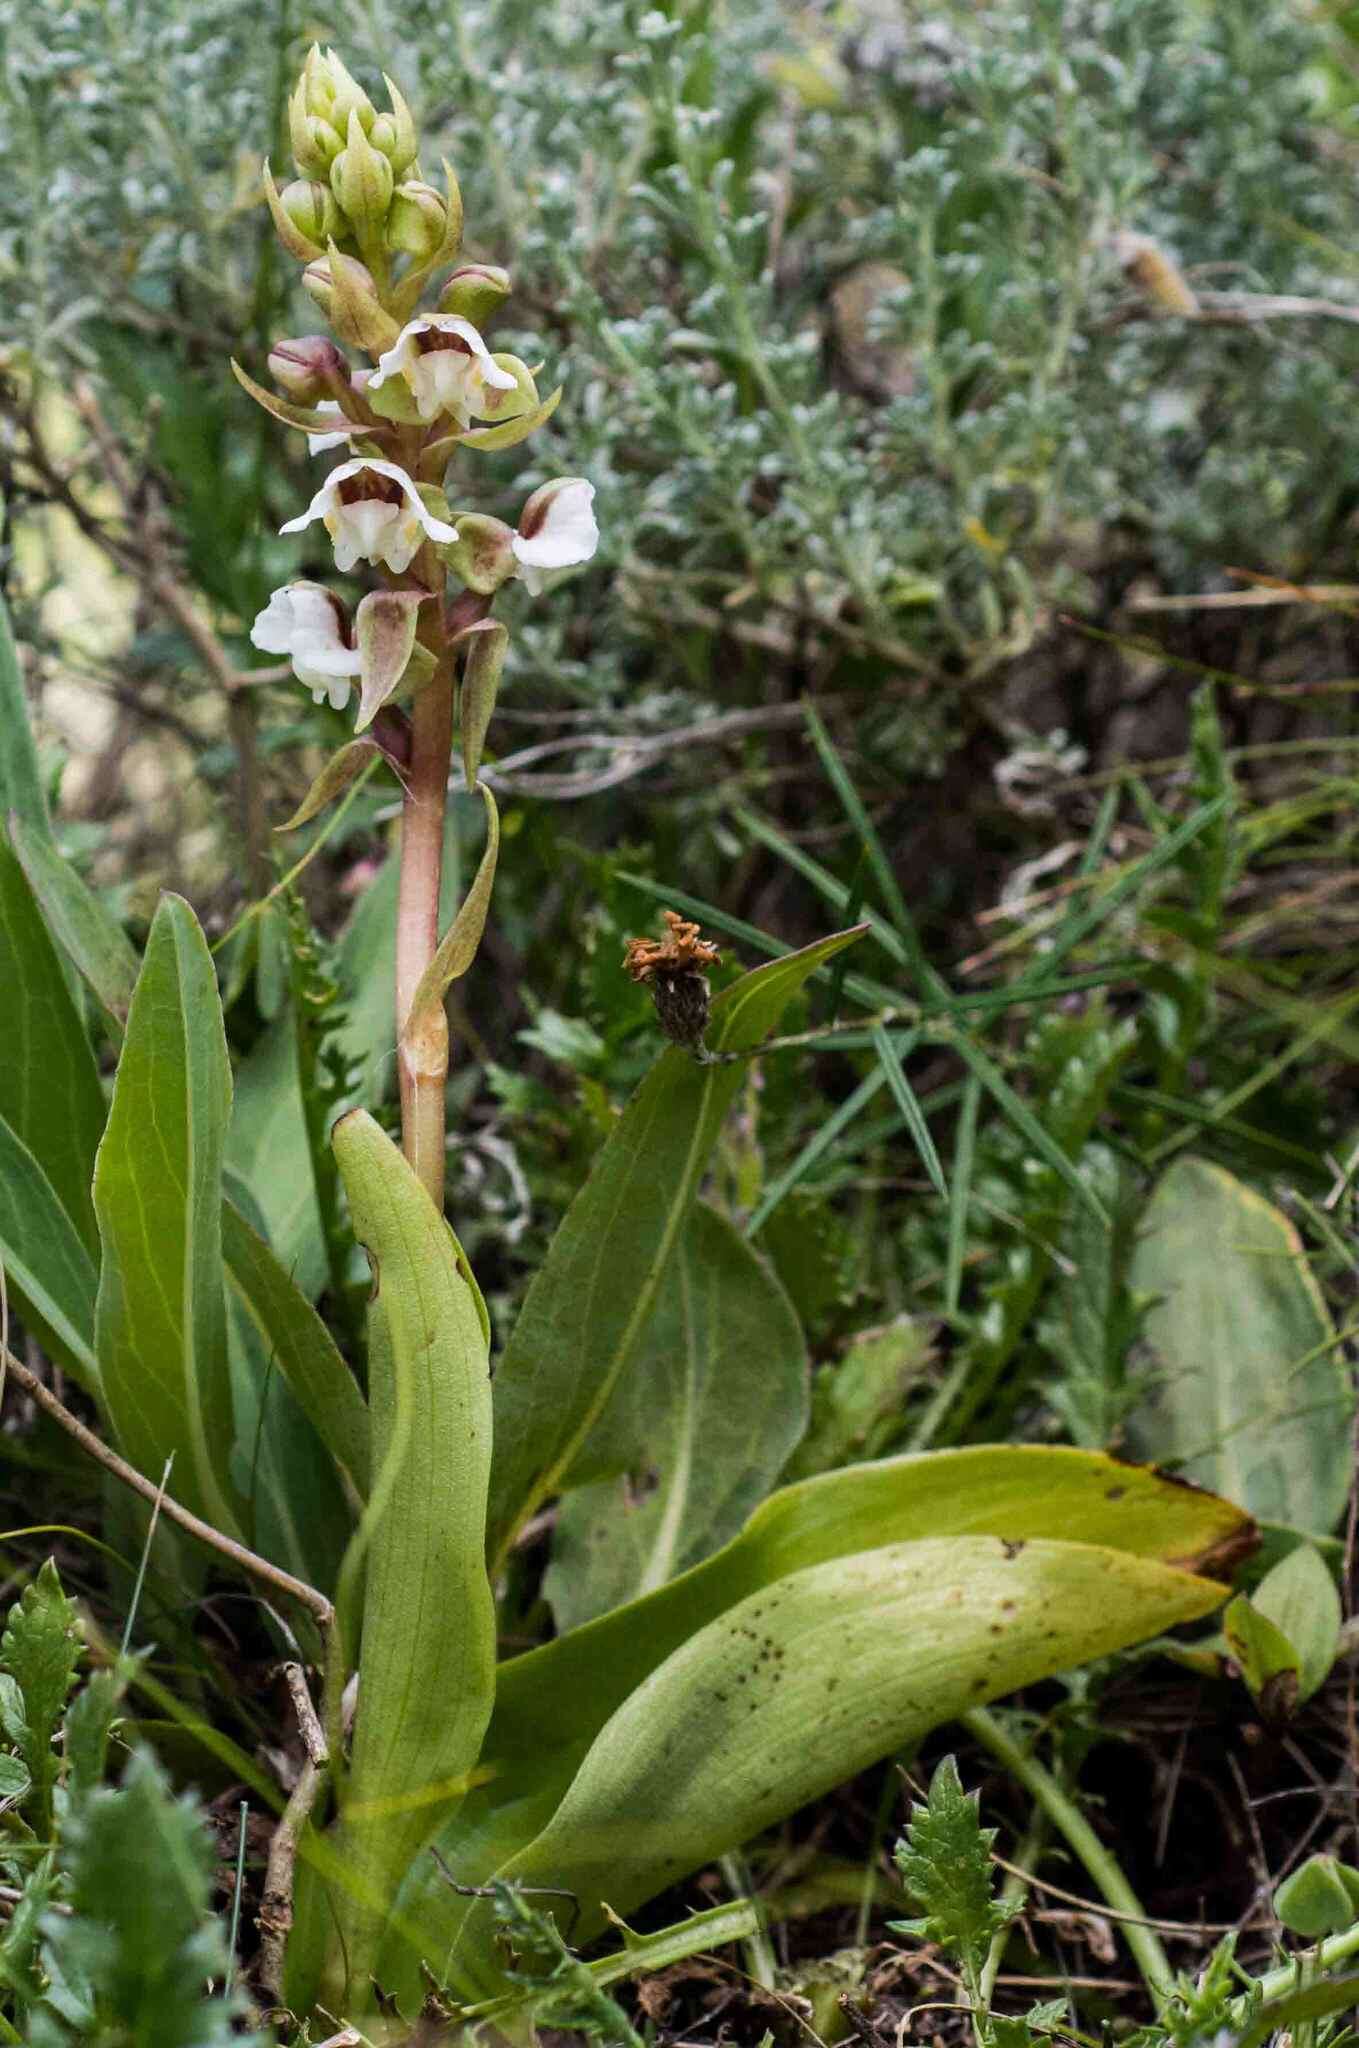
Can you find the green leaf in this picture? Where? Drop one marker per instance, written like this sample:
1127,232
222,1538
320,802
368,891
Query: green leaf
458,947
1300,1598
48,1268
160,1316
79,920
89,1723
588,1307
1316,1899
1014,1494
15,1783
49,1085
890,1058
810,1680
268,1149
944,1860
856,1403
303,1348
355,758
1249,1395
427,1671
1268,1661
711,1406
21,790
41,1648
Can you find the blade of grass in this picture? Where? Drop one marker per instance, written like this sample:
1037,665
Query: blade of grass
1026,1123
824,1137
964,1151
927,981
890,1059
822,880
853,905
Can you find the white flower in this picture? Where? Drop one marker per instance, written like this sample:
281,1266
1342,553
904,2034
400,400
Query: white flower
303,621
317,444
446,365
373,513
557,529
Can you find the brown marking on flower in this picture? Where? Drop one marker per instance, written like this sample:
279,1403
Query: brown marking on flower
367,483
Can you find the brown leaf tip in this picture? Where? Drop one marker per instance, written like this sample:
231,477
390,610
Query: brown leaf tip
683,952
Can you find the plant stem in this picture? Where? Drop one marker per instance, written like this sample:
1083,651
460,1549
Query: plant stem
1143,1943
422,1042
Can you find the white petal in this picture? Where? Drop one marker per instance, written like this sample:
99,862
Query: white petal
317,444
568,534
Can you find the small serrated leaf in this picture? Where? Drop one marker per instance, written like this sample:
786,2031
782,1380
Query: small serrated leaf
945,1863
41,1648
89,1723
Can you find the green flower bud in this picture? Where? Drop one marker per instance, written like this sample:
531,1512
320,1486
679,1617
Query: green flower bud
394,134
333,94
312,211
344,287
418,220
315,143
361,179
475,291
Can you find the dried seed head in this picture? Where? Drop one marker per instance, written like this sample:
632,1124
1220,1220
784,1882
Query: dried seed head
672,969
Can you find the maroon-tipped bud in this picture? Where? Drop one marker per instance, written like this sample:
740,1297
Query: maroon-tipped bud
307,368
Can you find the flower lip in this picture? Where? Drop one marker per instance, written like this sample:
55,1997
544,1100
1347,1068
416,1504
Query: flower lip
305,622
446,364
386,523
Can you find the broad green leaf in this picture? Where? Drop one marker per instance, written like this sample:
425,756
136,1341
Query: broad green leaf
48,1269
713,1403
79,920
49,1085
1267,1660
588,1307
1300,1598
427,1669
302,1347
1012,1493
160,1317
810,1680
1318,1898
1247,1393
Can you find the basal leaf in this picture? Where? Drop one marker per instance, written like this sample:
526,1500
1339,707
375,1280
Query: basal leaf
21,790
716,1399
589,1305
48,1268
1011,1494
302,1346
427,1670
49,1085
160,1316
802,1684
79,920
1247,1392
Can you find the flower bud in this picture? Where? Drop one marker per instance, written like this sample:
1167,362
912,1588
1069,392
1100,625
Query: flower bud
344,289
332,93
418,220
315,144
475,291
312,211
306,368
394,134
361,179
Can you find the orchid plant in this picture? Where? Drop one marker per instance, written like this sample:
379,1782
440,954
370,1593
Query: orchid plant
423,651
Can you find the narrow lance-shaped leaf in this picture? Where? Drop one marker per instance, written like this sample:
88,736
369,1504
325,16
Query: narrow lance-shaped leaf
487,643
591,1301
348,762
48,1269
458,947
508,434
160,1316
79,920
308,418
427,1672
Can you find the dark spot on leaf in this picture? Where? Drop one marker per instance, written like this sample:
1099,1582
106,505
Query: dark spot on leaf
1012,1545
1115,1492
